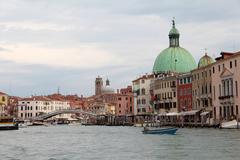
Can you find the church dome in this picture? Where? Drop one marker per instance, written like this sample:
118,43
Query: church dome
205,60
107,89
174,58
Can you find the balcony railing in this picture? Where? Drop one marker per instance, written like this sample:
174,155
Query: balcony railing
225,97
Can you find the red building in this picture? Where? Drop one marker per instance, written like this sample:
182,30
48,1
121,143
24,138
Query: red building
184,91
125,102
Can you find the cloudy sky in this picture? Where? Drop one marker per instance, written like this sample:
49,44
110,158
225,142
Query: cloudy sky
49,43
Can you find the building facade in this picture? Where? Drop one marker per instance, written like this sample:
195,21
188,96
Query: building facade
125,102
184,92
226,79
165,93
142,96
202,84
31,107
3,103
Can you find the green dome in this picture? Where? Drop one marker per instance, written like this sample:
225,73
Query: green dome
205,60
174,31
175,59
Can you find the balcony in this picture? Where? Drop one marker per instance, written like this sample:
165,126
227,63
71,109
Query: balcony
226,100
225,97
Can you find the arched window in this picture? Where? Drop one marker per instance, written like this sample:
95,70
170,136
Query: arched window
3,99
143,91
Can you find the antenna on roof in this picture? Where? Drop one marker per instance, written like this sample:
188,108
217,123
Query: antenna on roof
58,90
205,51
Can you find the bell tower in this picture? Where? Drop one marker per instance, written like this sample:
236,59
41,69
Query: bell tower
98,85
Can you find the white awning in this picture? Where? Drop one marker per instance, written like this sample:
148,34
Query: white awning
162,114
172,114
204,113
189,113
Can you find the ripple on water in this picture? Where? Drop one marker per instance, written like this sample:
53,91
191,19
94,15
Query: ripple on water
118,143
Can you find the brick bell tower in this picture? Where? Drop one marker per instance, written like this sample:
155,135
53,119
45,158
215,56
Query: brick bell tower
98,85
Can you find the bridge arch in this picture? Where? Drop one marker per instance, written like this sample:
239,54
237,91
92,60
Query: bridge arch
65,111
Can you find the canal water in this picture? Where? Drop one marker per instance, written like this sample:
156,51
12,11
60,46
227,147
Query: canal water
117,143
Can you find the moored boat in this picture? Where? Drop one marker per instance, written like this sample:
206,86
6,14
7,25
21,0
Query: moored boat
159,130
234,124
8,123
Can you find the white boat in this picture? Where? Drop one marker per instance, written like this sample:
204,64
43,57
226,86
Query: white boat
230,125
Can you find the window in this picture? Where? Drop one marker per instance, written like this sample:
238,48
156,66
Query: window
230,64
119,98
210,73
220,112
174,105
143,81
236,87
220,93
143,91
210,88
143,109
235,63
174,94
3,99
236,109
119,105
213,70
185,80
130,108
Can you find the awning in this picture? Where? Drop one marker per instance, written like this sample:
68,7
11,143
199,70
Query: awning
189,113
204,113
162,114
172,114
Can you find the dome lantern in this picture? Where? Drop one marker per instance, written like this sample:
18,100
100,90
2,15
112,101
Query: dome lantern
173,36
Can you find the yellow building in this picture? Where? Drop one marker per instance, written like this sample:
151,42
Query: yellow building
3,102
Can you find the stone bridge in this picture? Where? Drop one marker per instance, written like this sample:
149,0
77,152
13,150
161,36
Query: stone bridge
65,111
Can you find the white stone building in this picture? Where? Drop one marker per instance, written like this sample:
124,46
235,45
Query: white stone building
225,87
32,107
142,96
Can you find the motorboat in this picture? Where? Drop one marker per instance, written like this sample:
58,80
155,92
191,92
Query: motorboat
8,123
147,130
230,125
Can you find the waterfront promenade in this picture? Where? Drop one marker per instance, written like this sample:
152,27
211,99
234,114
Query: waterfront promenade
118,143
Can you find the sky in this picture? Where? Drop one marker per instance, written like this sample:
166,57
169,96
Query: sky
46,44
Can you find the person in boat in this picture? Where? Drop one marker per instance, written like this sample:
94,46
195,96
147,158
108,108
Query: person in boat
145,128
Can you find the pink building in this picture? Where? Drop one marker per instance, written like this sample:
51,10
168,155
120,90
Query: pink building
125,102
225,87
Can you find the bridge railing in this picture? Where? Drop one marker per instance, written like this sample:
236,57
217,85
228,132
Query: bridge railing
63,111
